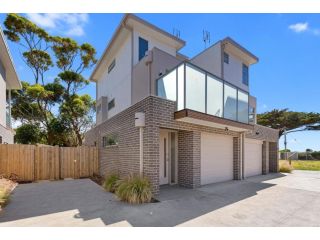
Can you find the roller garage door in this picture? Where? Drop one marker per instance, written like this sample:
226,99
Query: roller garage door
253,157
216,158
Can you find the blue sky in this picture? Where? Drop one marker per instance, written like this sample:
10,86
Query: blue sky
288,46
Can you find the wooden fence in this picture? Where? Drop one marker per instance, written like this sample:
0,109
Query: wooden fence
32,163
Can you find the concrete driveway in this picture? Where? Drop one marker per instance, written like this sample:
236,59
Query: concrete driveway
271,200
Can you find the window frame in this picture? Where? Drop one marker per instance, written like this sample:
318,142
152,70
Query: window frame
245,81
111,65
112,104
225,57
142,40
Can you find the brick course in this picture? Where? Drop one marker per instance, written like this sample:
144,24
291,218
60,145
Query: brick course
159,113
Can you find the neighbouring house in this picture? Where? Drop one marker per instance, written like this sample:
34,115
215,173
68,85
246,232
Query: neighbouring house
179,120
8,81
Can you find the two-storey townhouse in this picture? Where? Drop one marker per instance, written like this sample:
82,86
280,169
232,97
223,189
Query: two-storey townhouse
177,120
8,81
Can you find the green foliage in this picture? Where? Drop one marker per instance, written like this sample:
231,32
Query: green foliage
134,189
284,150
4,197
55,106
281,119
316,155
110,183
28,134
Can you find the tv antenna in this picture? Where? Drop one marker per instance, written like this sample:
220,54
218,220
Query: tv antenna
206,38
176,32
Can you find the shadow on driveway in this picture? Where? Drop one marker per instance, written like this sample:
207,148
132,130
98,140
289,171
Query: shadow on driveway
177,205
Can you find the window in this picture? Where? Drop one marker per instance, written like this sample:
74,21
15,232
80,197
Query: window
109,140
112,65
252,115
226,58
0,139
245,74
111,104
143,47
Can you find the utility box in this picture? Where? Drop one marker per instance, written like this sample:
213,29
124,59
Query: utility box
140,119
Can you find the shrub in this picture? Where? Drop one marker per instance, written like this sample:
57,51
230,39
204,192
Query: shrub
4,196
111,182
285,167
134,189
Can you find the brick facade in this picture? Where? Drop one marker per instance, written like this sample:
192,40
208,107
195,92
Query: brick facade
273,157
159,113
189,158
109,160
236,158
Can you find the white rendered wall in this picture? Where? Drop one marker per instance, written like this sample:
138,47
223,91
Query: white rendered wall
117,83
152,42
210,59
233,72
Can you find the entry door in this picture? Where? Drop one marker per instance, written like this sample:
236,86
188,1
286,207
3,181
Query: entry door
164,157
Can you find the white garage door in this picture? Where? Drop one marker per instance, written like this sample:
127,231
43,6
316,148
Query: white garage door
216,158
252,157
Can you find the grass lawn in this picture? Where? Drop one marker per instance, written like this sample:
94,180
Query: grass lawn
303,165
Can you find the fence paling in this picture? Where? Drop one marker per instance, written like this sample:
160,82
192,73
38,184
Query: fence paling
32,162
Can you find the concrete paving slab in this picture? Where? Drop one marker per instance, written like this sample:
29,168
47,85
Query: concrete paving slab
269,200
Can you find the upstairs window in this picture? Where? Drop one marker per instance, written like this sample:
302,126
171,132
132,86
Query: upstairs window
111,104
112,65
143,47
245,74
226,58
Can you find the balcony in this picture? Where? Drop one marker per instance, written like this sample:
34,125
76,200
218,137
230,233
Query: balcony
204,98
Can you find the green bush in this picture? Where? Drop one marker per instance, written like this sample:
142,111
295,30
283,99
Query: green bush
285,167
134,189
110,183
4,197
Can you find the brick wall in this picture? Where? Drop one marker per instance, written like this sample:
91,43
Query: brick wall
236,158
263,133
159,113
189,158
109,160
273,157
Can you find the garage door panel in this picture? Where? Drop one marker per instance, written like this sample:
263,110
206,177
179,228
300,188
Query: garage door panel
253,158
216,158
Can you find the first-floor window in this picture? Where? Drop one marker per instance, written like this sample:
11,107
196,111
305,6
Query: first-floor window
110,139
0,139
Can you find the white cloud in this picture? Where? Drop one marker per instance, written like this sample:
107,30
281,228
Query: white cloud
299,27
69,24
